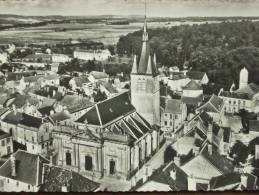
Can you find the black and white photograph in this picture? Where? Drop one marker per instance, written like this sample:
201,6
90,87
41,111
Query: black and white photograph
129,95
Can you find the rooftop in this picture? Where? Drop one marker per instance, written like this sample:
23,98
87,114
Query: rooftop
25,163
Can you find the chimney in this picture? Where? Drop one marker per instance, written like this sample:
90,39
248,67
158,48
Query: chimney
210,149
13,165
14,109
53,93
209,133
177,161
173,174
191,183
244,180
51,159
196,150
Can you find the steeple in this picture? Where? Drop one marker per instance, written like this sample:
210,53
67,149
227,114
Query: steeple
145,34
149,66
134,67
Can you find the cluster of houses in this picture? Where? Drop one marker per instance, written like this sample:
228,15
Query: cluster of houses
57,137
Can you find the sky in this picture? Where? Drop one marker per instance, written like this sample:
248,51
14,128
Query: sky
162,8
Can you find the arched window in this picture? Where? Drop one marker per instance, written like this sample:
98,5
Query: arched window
68,158
88,163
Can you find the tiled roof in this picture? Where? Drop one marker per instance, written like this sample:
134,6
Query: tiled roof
254,125
59,116
215,104
99,75
13,118
26,167
232,180
218,161
30,121
108,110
56,177
45,110
192,85
32,79
192,100
173,106
75,103
108,86
195,75
4,134
81,80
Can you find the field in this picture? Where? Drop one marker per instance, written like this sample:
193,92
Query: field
108,34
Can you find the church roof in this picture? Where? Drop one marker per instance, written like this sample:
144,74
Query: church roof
147,63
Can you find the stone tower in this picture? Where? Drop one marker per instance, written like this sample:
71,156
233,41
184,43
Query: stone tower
145,95
243,78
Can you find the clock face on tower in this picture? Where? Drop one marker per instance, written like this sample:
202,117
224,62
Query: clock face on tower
141,85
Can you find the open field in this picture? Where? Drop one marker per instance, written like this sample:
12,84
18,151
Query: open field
108,34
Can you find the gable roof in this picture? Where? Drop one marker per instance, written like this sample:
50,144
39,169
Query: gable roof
81,80
4,134
192,85
108,86
173,106
195,75
27,167
232,180
108,110
75,103
99,75
215,104
56,177
219,162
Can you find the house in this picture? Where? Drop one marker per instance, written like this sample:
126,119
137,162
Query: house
60,58
31,131
233,181
192,89
127,140
51,80
58,179
98,55
96,76
45,58
82,83
173,113
6,141
22,172
107,88
75,105
177,80
55,67
199,77
245,97
3,58
205,164
214,107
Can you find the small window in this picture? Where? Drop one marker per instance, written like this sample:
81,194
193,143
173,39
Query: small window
165,123
3,143
176,116
171,116
7,180
165,115
229,101
41,138
32,138
8,140
29,187
244,103
42,146
33,147
17,183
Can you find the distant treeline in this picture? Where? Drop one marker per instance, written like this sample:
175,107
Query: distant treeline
220,49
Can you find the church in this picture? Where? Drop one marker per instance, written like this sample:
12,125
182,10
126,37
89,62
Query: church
145,95
117,136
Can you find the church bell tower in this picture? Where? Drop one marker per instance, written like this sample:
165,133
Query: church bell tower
145,95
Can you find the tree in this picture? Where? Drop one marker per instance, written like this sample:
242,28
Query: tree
239,152
169,154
